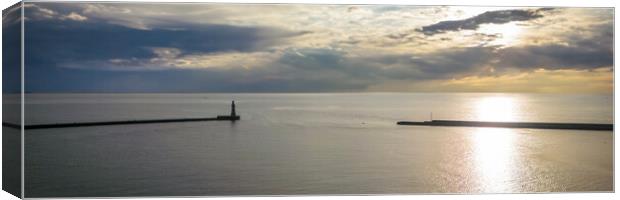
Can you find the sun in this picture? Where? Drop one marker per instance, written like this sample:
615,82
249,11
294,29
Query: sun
496,109
503,34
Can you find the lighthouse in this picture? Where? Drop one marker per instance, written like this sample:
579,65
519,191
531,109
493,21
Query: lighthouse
233,114
232,109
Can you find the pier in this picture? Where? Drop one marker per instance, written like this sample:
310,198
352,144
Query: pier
533,125
232,117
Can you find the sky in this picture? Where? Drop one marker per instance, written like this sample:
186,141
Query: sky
130,47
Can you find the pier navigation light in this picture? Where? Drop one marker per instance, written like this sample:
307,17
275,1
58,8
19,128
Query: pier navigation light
232,109
233,114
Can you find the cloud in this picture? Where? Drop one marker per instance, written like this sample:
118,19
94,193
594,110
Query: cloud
578,51
11,48
598,80
89,44
490,17
363,71
538,81
74,16
10,16
299,48
36,12
170,58
41,12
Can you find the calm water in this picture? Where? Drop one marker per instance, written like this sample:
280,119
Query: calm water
314,144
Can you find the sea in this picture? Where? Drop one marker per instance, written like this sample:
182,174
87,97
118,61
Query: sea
314,144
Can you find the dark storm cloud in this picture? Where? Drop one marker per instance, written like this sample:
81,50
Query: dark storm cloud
57,42
60,41
11,49
52,44
490,17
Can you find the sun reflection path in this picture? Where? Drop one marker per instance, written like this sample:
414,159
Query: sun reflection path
495,149
495,158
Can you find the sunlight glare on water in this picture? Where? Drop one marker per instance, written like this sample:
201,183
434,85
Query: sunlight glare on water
495,158
495,148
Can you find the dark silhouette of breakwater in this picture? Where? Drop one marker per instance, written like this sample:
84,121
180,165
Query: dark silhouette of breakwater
535,125
11,125
82,124
232,117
